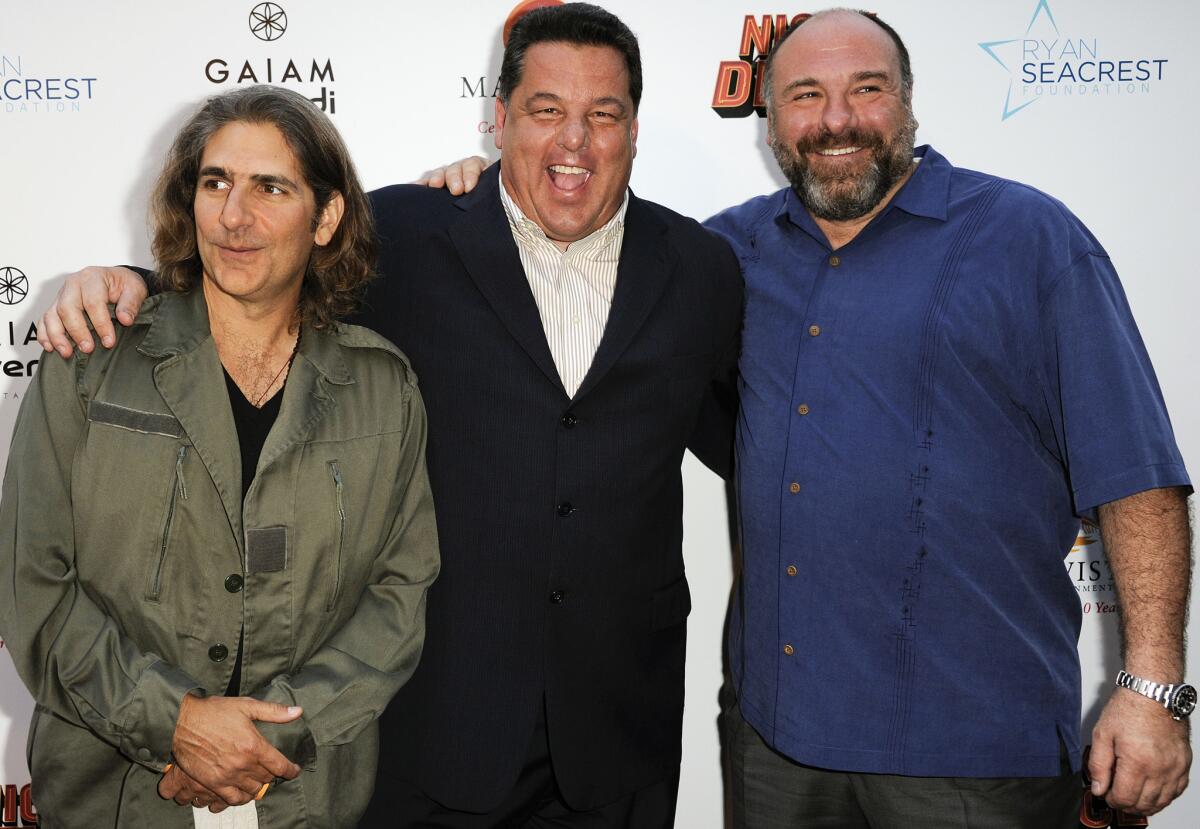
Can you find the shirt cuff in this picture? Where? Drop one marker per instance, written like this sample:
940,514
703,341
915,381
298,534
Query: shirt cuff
148,730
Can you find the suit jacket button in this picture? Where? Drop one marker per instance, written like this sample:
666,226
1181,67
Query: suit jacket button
565,509
556,597
218,652
233,583
569,420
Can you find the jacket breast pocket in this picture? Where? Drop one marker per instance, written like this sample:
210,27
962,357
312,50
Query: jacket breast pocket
129,483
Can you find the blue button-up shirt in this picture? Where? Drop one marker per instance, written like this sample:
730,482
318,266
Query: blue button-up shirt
926,413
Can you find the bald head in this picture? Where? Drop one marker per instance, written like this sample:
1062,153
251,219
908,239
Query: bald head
837,33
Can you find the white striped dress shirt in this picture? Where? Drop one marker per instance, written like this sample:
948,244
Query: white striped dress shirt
573,289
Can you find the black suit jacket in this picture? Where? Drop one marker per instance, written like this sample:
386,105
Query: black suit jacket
559,518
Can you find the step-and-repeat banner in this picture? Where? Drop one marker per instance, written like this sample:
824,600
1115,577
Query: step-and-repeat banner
1093,101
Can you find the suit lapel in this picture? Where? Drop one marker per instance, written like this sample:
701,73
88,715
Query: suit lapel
642,274
484,242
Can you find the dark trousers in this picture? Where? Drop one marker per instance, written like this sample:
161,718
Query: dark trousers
771,791
534,803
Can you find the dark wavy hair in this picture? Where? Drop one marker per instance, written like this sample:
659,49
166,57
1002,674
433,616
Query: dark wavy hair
338,271
580,24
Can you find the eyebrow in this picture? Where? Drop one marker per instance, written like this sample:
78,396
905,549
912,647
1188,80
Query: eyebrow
260,178
857,77
607,101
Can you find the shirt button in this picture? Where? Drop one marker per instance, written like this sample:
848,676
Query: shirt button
233,583
569,420
789,650
218,652
794,487
143,754
835,260
814,330
791,570
802,408
564,509
556,597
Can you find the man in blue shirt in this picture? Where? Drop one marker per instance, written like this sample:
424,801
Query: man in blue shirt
939,375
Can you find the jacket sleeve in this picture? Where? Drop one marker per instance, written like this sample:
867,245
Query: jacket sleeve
73,657
712,438
347,683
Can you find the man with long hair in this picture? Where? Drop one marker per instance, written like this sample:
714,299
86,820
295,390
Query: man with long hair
218,535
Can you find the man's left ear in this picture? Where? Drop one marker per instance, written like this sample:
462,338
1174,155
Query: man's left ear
330,218
633,137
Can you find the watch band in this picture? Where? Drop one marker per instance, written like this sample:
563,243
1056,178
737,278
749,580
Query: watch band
1178,698
1157,691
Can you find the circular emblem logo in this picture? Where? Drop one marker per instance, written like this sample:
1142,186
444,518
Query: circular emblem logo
268,21
14,285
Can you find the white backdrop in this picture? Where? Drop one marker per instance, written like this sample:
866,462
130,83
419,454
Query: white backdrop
91,93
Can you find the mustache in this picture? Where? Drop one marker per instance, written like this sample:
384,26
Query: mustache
848,138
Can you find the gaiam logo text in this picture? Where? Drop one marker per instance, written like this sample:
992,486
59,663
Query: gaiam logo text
1045,64
268,21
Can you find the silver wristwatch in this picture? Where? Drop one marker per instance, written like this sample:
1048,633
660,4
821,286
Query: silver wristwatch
1179,700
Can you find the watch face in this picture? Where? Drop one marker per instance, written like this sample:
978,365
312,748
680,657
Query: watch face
1183,701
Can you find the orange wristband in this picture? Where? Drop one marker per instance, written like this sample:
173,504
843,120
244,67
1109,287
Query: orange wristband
168,767
262,791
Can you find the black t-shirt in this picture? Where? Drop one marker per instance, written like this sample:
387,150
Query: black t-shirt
253,425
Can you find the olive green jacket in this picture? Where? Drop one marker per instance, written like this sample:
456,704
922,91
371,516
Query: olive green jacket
129,564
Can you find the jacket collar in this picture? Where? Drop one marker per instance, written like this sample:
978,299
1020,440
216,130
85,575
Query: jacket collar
190,378
484,241
178,324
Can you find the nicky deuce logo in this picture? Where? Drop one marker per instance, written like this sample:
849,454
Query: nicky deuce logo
16,806
739,89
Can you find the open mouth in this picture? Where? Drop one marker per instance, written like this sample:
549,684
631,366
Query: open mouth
839,151
566,177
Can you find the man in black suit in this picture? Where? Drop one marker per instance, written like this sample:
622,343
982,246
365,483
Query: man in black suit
571,341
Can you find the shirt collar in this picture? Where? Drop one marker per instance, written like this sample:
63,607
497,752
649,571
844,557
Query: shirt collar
527,230
926,193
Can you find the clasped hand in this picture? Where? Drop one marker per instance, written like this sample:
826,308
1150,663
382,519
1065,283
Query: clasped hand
221,759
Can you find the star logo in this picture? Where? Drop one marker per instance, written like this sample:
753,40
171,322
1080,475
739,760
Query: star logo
268,21
996,48
14,285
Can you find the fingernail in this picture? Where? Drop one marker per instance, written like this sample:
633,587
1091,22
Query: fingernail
86,345
1096,790
108,341
294,709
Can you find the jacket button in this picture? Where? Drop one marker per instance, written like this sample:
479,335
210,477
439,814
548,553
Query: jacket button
556,597
144,754
218,652
569,420
233,583
565,509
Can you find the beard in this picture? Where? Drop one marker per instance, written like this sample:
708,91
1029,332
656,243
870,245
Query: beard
839,197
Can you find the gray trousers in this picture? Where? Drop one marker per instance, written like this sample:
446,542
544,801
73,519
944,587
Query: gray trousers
772,792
